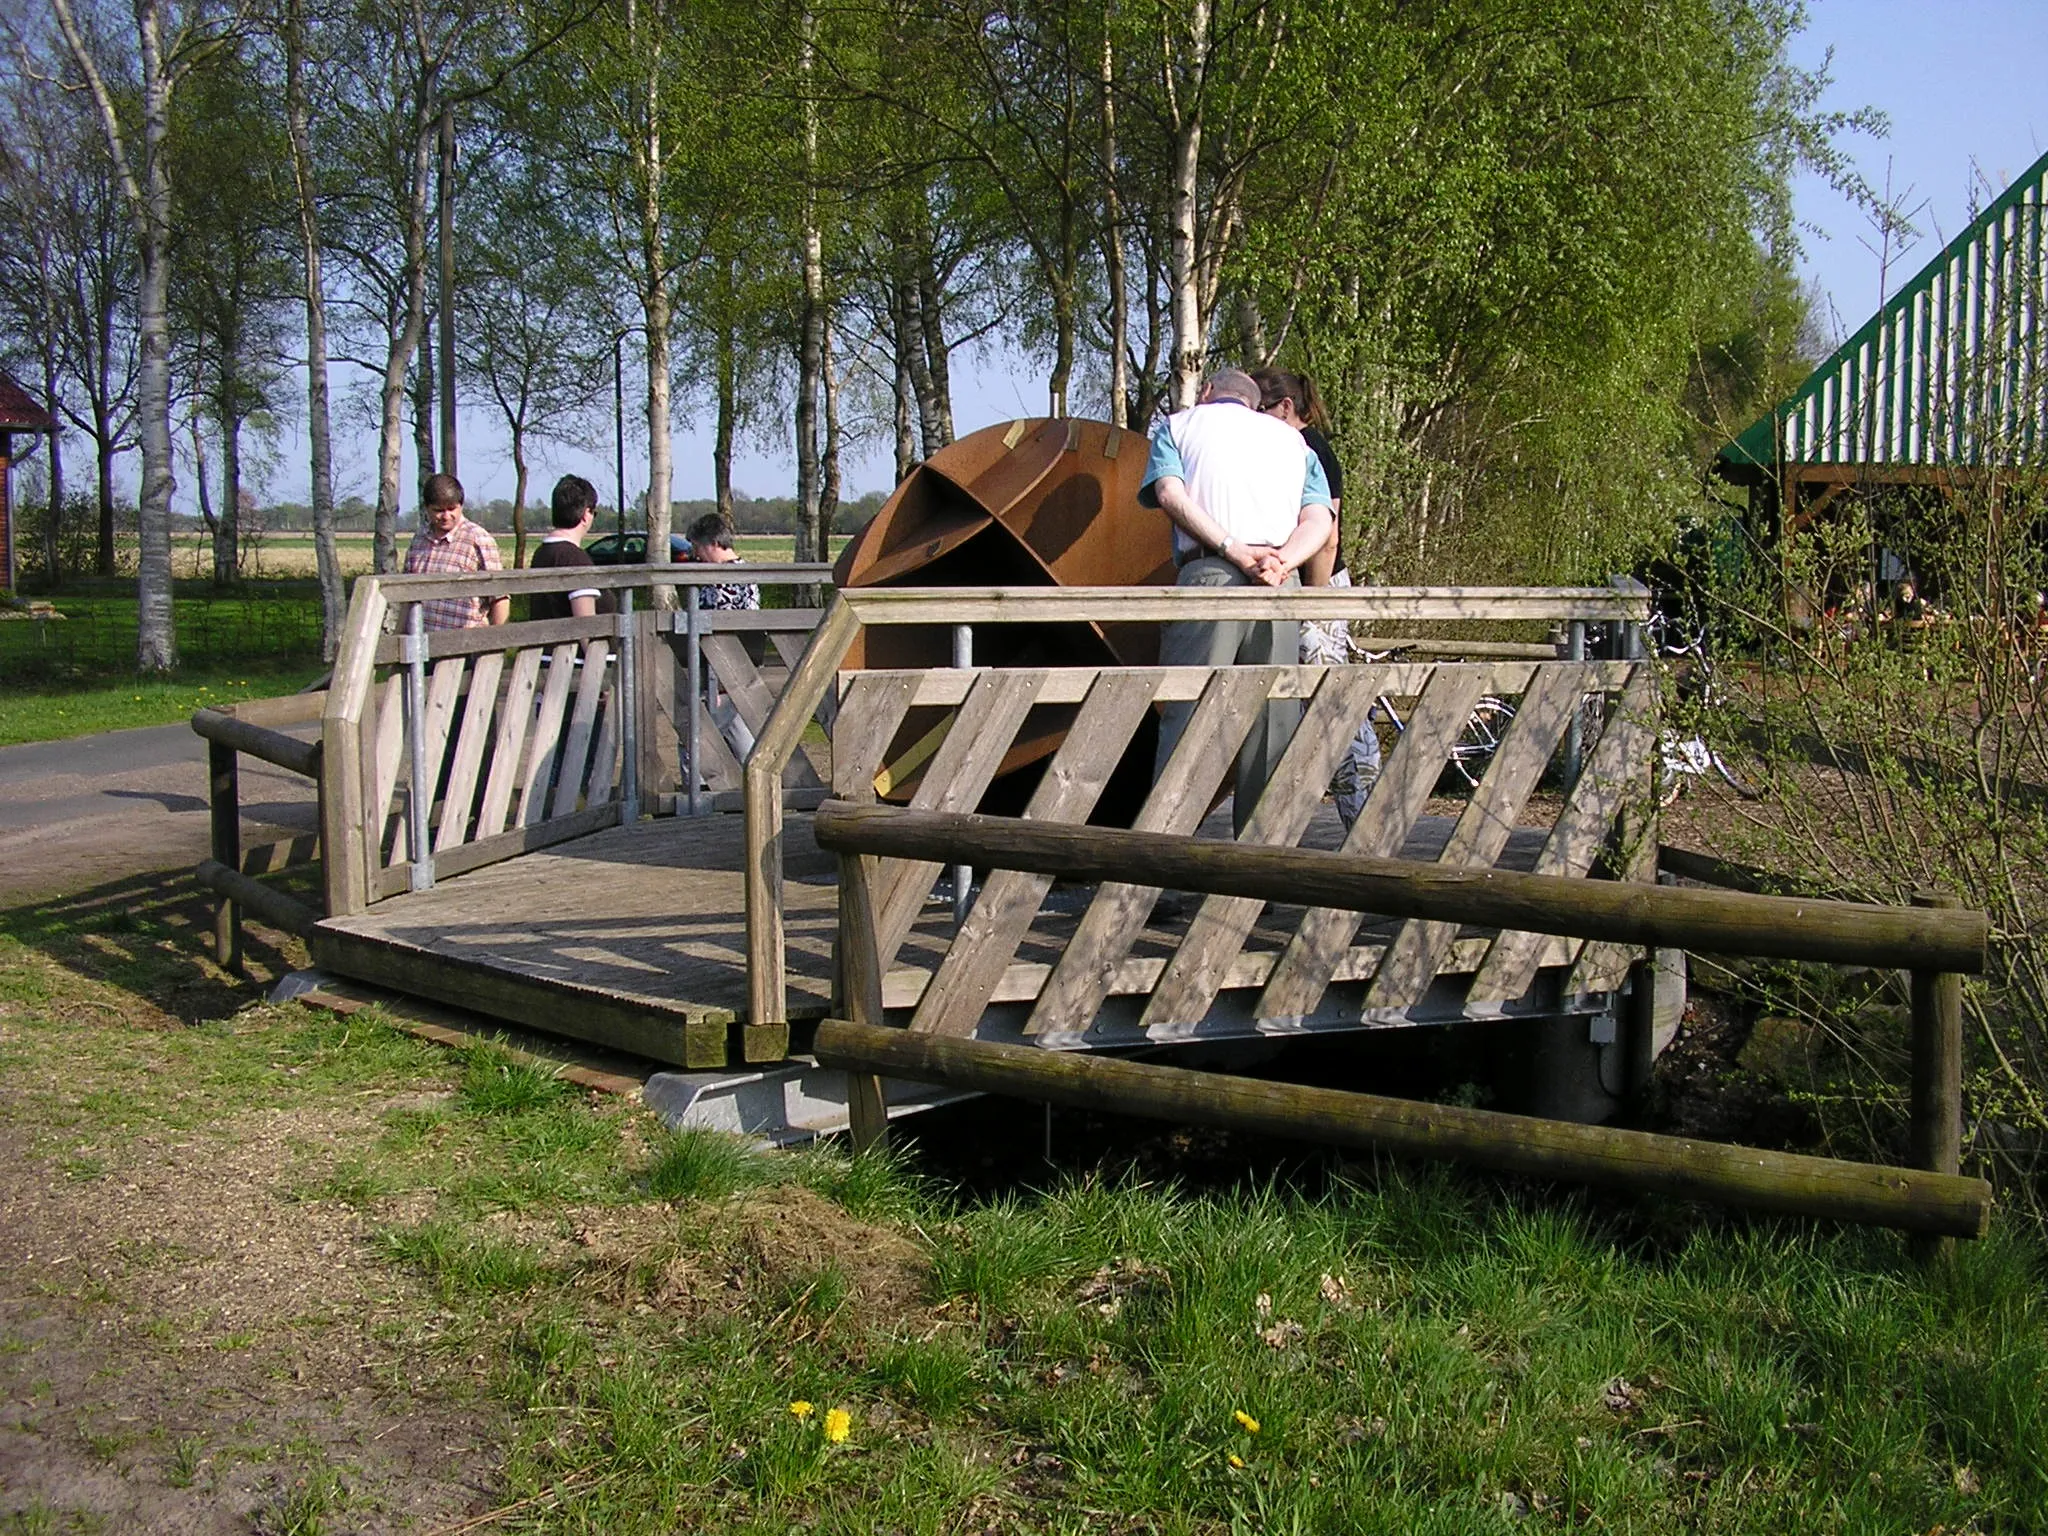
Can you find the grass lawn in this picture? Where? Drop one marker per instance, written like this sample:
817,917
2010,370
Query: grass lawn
655,1332
53,712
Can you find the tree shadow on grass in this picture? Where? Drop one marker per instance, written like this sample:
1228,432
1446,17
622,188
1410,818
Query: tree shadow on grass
152,935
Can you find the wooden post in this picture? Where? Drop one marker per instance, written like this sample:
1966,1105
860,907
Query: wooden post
1639,1040
860,996
224,798
1937,1134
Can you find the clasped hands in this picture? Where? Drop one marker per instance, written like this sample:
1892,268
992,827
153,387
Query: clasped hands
1262,563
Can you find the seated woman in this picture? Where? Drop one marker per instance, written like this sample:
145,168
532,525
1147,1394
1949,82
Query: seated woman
1292,397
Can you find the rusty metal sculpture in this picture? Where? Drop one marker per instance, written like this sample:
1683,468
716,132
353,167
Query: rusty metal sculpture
1024,503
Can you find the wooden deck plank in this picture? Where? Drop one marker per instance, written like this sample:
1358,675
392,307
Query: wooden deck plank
649,917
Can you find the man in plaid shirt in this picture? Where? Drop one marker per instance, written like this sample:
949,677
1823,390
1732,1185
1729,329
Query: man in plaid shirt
449,544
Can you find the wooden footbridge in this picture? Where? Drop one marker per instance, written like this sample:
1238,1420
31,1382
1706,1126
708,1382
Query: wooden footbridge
549,823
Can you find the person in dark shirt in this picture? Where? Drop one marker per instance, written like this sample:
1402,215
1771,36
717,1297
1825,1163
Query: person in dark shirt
573,508
1292,397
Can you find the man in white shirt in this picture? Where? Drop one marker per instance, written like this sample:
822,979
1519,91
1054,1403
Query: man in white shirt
1249,505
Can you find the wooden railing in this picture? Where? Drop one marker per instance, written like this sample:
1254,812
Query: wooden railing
986,708
1935,940
448,750
254,728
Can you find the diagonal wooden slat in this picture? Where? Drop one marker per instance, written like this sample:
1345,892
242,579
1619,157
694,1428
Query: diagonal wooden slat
1418,948
1619,763
590,689
1074,781
470,740
959,775
729,662
1604,967
869,717
1405,785
1299,780
1178,801
388,760
547,734
514,720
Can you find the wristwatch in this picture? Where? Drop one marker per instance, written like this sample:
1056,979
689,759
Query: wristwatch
1226,546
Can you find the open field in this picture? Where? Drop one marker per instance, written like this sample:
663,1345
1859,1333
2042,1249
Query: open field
273,1266
289,556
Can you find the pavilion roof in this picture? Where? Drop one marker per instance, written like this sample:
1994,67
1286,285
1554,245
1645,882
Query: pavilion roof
1952,369
19,411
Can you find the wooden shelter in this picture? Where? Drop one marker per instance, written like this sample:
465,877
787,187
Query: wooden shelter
1944,389
19,416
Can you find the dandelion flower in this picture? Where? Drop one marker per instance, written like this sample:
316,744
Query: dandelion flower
837,1422
1236,1460
1246,1422
800,1408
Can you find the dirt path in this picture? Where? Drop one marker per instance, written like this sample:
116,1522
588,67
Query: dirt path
187,1342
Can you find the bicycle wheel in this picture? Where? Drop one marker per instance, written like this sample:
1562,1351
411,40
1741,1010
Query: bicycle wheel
1731,778
1481,739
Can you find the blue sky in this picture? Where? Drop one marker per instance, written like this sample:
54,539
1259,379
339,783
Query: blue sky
1959,79
1961,83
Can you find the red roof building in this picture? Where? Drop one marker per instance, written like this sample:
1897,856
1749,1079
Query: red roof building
19,414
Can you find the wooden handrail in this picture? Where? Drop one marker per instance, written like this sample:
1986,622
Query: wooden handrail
259,741
1046,605
1627,912
399,588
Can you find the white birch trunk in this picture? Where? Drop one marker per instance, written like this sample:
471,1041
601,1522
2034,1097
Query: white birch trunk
319,430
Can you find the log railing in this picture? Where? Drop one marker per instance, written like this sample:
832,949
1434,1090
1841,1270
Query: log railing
449,750
1936,940
254,728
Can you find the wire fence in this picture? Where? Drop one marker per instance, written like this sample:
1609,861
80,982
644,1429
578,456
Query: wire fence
96,636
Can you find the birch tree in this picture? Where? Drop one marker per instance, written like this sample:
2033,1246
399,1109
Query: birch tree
170,42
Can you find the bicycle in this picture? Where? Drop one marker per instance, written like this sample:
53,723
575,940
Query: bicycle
1332,645
1690,757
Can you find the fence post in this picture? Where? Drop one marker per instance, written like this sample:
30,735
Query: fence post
224,796
860,995
1937,1136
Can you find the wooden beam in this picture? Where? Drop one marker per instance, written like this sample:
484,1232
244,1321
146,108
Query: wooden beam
1672,1166
259,741
1624,912
274,907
